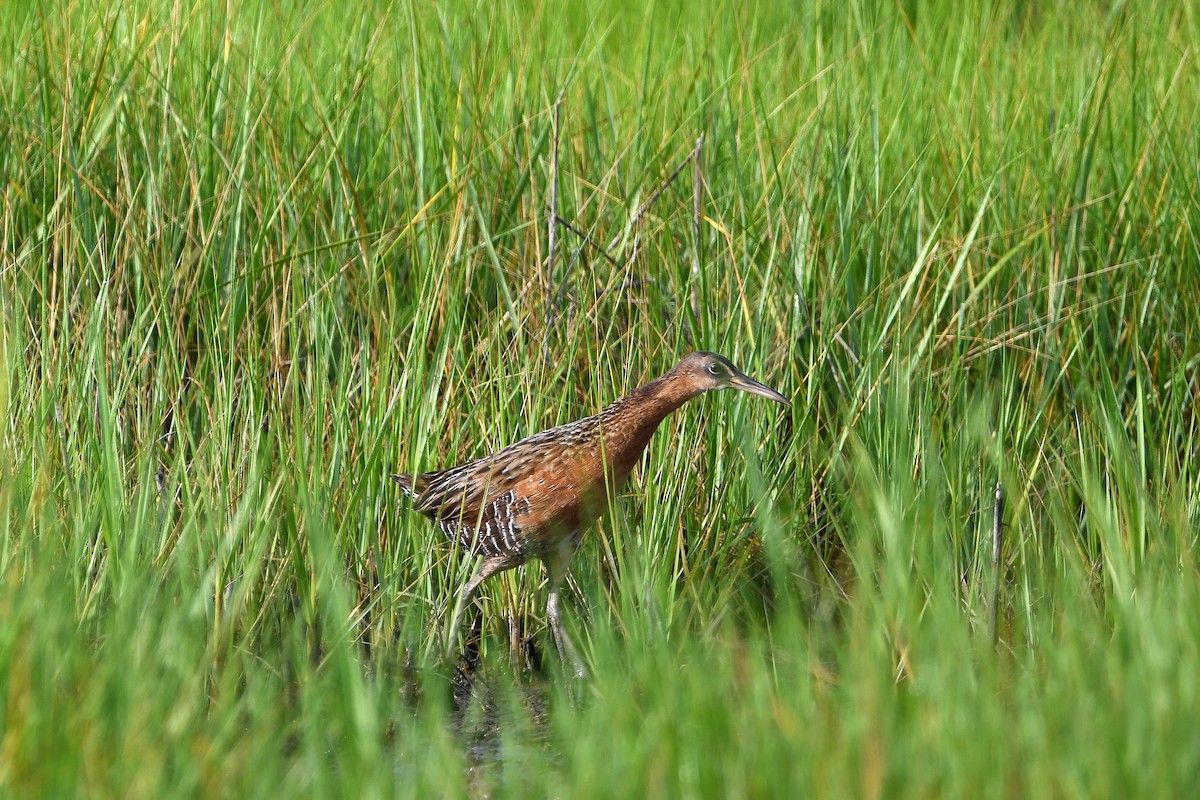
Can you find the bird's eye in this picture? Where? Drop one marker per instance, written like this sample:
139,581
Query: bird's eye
713,369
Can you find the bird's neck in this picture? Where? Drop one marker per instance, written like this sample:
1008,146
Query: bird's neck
629,423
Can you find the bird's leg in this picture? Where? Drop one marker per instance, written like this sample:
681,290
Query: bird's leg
565,648
487,569
556,567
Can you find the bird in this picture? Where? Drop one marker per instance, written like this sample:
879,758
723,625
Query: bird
536,498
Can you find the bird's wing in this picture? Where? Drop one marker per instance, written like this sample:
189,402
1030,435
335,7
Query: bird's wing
486,504
480,505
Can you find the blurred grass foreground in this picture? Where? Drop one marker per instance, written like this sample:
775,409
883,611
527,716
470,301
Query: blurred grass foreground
255,256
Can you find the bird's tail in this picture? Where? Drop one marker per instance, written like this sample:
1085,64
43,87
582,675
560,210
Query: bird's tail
411,485
405,482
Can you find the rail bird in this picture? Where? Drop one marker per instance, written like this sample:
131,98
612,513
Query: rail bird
537,498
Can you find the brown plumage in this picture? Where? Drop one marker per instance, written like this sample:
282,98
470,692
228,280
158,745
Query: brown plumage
536,498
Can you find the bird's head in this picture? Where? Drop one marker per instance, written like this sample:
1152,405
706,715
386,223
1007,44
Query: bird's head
709,372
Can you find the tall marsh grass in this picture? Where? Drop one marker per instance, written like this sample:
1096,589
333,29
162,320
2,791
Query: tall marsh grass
256,256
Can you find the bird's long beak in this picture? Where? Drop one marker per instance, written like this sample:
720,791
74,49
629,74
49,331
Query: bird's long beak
742,381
